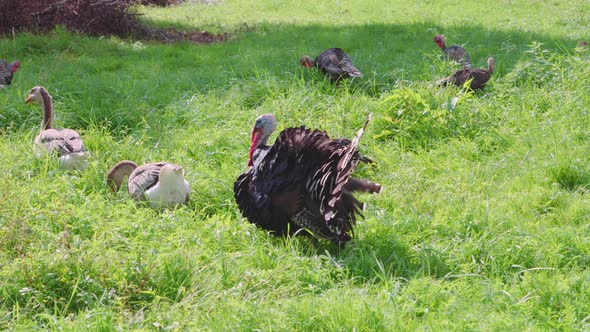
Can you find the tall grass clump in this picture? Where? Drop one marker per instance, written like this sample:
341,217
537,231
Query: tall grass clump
417,119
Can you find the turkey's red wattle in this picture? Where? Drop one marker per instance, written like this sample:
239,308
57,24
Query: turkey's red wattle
256,134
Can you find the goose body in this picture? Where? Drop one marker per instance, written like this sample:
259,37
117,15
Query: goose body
334,63
7,71
65,143
455,53
476,77
302,181
161,184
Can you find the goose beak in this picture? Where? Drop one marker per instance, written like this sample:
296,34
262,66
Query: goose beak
28,99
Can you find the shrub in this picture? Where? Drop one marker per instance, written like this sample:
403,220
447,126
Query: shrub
539,68
94,17
416,120
162,3
12,16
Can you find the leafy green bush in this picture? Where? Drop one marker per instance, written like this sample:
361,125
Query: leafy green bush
538,69
420,120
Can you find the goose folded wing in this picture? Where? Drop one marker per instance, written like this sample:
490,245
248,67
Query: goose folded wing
61,141
143,178
72,141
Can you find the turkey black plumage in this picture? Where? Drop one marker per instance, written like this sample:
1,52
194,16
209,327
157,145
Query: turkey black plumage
302,181
475,77
334,63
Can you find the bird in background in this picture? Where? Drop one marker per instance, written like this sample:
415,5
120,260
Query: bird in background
455,53
7,71
476,78
334,63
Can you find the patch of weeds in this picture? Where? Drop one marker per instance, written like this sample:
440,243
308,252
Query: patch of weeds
537,70
417,120
570,177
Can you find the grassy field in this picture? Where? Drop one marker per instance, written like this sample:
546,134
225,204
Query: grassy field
484,222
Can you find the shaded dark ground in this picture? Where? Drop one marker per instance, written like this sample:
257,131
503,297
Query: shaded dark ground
92,17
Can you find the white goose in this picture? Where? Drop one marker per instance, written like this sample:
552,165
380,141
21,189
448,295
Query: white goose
66,143
161,184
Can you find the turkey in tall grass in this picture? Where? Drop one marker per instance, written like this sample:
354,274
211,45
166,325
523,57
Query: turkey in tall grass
472,78
302,182
334,63
7,71
454,52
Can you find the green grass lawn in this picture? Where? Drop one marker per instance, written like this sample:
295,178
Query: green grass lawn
483,223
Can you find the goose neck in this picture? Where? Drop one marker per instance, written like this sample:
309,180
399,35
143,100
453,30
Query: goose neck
47,105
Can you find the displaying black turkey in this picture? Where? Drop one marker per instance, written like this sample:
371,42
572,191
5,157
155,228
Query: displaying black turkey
302,181
477,77
333,63
7,70
456,53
